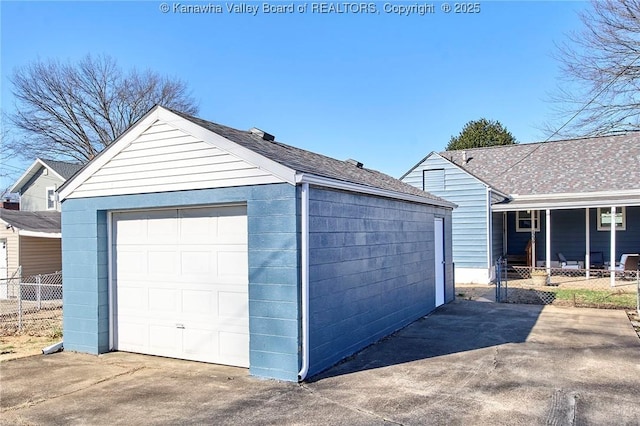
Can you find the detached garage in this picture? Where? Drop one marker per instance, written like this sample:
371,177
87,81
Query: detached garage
192,240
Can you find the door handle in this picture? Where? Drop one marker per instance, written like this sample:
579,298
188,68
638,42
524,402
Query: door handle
179,325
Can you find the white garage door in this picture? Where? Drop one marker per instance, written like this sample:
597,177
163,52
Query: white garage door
181,284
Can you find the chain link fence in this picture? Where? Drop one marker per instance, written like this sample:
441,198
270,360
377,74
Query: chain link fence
31,305
567,286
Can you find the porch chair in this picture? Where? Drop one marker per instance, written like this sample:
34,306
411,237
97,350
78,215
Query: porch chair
567,264
596,260
628,266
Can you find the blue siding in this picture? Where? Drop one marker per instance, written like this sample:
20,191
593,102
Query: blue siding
469,229
273,269
371,270
497,240
568,235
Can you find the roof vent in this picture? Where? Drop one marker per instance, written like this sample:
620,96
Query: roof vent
464,157
355,163
262,134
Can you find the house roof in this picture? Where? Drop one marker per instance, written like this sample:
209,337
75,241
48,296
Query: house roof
295,160
576,166
32,223
64,169
61,169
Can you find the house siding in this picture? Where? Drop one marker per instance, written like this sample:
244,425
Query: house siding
33,197
164,158
40,255
13,249
273,222
497,240
371,270
470,233
568,235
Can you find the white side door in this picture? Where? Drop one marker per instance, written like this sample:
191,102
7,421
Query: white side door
438,226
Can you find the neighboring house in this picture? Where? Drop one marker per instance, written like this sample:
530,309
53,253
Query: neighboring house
37,186
558,195
193,240
29,245
30,229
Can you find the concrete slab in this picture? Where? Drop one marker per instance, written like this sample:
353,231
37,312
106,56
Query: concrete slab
467,363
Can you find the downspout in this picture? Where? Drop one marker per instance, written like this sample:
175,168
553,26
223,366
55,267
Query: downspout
304,246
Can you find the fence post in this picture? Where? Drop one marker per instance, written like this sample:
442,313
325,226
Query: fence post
638,287
39,291
498,278
20,304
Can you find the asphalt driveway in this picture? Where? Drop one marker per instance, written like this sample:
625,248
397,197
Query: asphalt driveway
468,363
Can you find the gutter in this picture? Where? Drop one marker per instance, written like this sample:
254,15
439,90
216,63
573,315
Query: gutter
370,190
304,243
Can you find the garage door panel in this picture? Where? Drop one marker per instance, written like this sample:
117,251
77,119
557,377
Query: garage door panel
164,339
231,264
198,263
198,303
164,299
231,304
162,262
129,297
131,262
182,284
200,344
233,346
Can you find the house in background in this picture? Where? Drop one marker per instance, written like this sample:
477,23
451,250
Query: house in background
29,245
189,239
30,241
37,186
555,197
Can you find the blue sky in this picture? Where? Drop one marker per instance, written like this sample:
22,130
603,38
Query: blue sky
382,88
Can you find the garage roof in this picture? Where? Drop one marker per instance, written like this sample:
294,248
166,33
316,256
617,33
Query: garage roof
286,162
305,161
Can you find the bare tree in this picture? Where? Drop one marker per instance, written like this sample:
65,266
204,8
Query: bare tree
73,111
600,92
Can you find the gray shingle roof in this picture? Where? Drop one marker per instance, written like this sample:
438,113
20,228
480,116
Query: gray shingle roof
608,163
309,162
32,221
64,169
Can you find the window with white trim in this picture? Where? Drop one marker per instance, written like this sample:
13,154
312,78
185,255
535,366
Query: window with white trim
604,219
51,197
527,219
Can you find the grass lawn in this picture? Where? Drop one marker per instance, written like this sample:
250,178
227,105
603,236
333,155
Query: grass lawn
595,298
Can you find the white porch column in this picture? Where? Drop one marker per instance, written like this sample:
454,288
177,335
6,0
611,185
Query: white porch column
587,245
548,240
612,260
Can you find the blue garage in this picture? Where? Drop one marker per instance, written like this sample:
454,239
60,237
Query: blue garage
192,240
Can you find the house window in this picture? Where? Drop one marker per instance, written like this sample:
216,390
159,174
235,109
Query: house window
525,220
51,197
433,180
604,219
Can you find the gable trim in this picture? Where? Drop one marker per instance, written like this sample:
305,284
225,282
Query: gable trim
161,114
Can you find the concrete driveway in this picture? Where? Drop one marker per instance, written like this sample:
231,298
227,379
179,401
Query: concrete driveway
468,363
